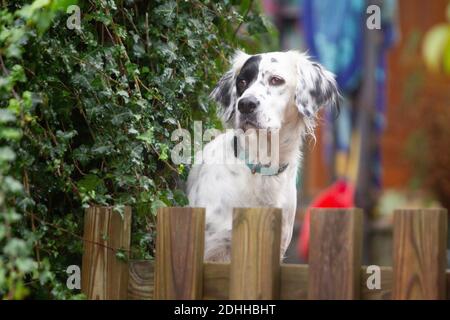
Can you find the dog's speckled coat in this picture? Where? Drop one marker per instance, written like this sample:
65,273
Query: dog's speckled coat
287,90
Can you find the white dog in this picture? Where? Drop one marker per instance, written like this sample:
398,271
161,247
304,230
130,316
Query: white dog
280,92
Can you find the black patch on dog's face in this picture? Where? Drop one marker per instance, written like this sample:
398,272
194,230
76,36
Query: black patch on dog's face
249,73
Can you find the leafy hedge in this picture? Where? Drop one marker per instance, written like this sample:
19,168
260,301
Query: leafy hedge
87,114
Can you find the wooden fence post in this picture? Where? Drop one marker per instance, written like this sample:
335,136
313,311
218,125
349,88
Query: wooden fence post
420,242
180,245
141,280
104,276
255,254
335,254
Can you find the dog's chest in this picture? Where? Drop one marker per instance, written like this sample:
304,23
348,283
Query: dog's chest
238,187
267,189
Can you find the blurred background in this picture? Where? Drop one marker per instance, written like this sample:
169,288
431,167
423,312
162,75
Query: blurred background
390,145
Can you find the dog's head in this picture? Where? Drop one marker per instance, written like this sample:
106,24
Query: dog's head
267,90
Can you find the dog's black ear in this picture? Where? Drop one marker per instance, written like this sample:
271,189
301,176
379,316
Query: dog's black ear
316,87
224,93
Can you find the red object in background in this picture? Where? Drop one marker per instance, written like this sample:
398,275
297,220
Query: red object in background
338,195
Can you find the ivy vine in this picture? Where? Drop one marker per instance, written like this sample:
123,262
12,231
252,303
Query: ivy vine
86,117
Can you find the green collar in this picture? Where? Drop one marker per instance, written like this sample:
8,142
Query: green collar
265,170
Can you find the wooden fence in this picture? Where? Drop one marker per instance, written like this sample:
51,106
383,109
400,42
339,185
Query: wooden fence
255,272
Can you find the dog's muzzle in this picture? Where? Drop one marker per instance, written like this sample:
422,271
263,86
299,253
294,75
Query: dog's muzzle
248,105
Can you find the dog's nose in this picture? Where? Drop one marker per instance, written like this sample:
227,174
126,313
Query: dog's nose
248,104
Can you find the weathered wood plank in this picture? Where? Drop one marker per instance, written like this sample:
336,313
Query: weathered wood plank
255,253
104,276
180,244
335,254
447,283
420,242
294,282
141,280
216,281
384,293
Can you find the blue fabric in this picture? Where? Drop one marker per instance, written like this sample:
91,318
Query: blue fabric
334,35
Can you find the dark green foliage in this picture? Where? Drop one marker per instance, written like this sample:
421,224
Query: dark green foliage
87,116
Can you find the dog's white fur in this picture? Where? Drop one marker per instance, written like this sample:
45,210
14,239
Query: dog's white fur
290,109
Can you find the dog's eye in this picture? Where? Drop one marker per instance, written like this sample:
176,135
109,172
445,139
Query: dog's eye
276,81
242,84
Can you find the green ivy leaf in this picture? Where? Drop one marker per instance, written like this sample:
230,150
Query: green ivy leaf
147,136
156,204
